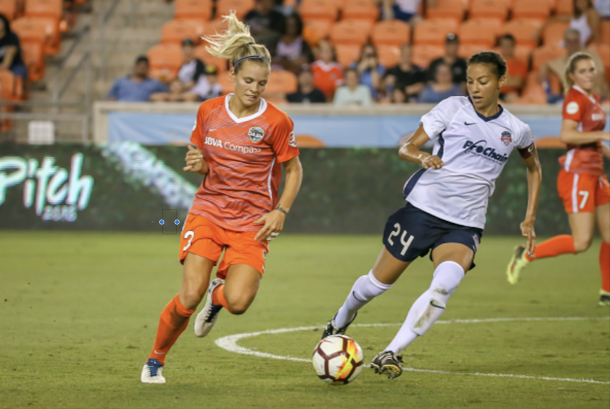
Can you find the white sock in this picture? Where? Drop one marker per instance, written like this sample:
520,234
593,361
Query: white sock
429,306
364,290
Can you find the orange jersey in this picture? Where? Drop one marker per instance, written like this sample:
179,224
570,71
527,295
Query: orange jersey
327,77
244,156
586,158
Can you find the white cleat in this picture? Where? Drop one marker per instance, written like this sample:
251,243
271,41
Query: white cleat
152,372
209,314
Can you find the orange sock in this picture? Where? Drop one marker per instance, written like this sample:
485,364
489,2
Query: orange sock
218,297
174,320
553,247
604,264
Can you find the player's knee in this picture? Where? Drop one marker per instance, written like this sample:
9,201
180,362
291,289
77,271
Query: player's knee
581,245
238,305
192,298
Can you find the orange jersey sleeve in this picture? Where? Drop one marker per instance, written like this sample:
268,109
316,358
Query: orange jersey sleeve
575,105
284,143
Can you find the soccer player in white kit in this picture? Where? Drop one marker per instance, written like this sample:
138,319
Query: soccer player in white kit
446,202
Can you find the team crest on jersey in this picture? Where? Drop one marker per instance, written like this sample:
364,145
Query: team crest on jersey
506,138
256,134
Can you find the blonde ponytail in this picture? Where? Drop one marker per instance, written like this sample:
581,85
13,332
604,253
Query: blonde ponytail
573,61
236,43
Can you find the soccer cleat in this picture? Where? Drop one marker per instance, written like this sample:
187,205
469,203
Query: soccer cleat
604,299
152,372
209,314
331,329
516,264
387,363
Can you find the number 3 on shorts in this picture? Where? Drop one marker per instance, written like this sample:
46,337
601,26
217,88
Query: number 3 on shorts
405,244
188,235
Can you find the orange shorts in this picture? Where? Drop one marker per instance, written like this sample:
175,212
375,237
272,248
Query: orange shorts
203,238
582,193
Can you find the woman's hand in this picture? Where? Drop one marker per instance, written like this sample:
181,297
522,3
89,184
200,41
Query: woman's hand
527,229
431,161
274,224
195,161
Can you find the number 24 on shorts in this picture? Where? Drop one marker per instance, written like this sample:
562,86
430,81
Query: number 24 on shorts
405,243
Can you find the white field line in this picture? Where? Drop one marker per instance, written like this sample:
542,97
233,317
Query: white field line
229,343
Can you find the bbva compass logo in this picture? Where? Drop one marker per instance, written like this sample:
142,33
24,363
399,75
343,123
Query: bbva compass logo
56,193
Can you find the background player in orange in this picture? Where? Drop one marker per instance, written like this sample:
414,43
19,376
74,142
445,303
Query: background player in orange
242,143
582,185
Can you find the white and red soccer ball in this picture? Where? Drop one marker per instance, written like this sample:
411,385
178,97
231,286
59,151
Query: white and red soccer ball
338,359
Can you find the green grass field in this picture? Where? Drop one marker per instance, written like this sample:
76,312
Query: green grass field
79,313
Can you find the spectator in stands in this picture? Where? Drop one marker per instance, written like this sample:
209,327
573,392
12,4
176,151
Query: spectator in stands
556,67
442,87
137,87
353,93
398,96
457,64
370,70
327,73
586,20
406,76
307,92
10,50
292,51
517,69
265,22
192,68
603,8
405,10
208,87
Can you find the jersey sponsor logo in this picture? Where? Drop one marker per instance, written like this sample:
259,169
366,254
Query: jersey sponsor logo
480,148
506,138
217,143
598,117
256,134
292,140
572,108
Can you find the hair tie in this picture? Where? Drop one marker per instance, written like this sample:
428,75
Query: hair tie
262,57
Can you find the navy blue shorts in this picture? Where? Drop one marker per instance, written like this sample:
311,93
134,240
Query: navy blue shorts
410,233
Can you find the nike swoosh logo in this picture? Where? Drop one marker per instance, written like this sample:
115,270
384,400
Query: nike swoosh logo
159,353
467,124
434,305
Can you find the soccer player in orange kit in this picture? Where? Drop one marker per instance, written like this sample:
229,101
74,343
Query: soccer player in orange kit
242,143
582,184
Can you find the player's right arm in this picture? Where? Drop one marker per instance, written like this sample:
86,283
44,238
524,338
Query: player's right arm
571,134
411,151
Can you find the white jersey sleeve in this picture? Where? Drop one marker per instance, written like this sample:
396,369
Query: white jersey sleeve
439,118
526,137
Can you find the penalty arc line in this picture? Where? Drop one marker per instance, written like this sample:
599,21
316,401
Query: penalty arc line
229,343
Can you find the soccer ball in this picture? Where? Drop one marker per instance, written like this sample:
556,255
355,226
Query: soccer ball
338,359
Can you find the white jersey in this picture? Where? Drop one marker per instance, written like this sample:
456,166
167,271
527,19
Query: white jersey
474,150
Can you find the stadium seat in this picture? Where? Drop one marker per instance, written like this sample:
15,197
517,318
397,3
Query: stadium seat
318,9
424,54
604,54
209,59
215,26
174,31
479,31
533,91
552,35
542,55
315,30
165,61
9,9
39,29
522,53
565,8
468,50
226,83
44,8
605,32
447,9
33,57
281,82
434,32
241,7
361,10
525,31
490,9
388,55
351,32
347,53
195,9
538,10
393,32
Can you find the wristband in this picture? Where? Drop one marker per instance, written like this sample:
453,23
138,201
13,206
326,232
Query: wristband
281,209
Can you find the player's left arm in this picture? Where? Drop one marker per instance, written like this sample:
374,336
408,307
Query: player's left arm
534,180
